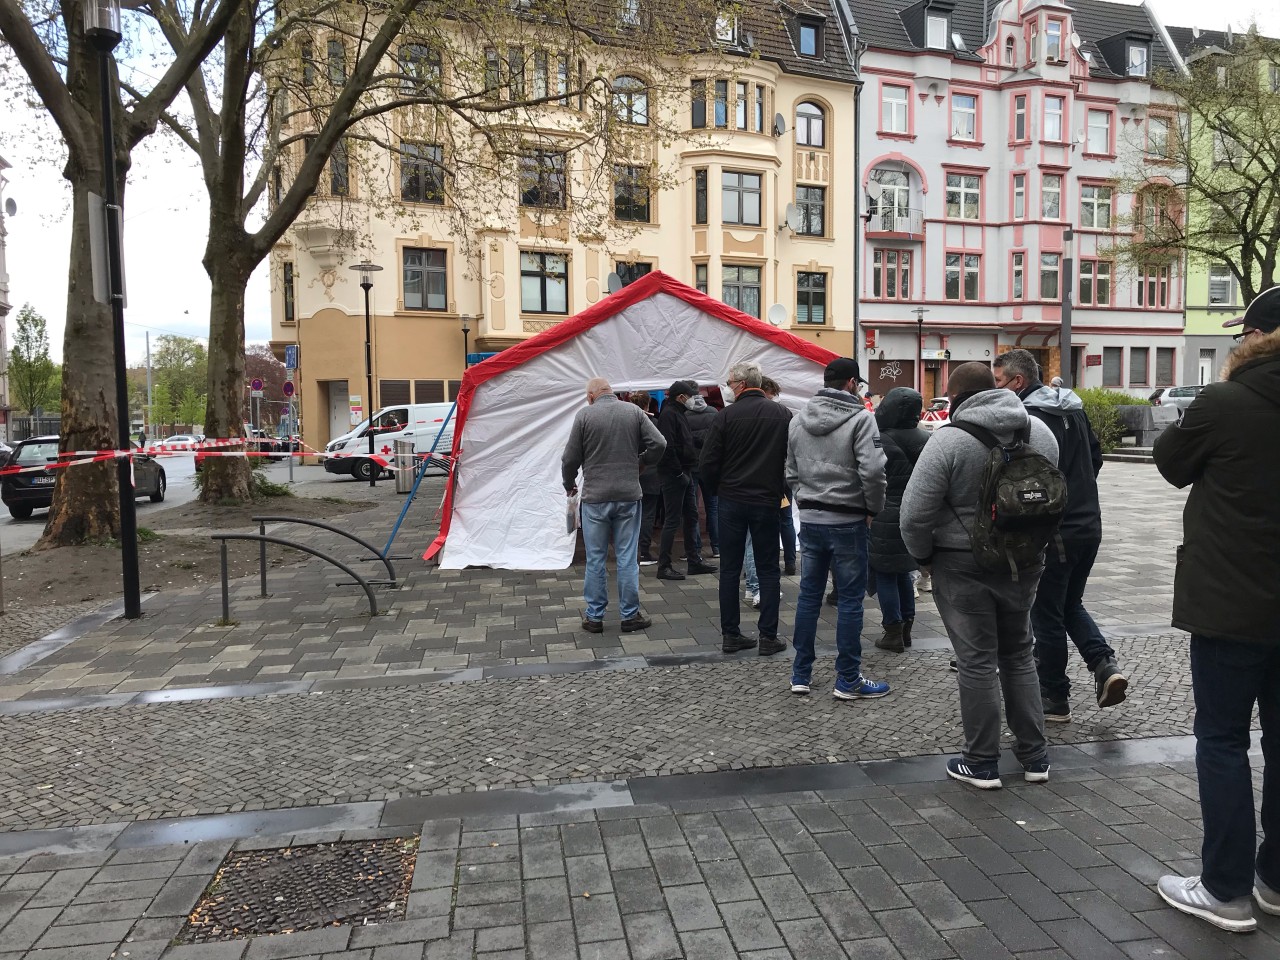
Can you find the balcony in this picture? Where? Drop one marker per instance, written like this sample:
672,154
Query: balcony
896,222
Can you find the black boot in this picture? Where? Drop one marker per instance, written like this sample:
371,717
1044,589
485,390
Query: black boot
669,573
892,639
906,631
698,565
1109,683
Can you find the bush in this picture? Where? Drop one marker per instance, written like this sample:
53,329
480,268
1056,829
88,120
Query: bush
260,488
1100,407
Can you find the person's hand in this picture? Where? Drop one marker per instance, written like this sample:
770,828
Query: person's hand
870,519
571,492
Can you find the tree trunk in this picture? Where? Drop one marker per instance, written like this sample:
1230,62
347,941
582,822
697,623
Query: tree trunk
86,499
225,478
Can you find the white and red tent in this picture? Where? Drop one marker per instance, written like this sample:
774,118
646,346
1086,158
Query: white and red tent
504,506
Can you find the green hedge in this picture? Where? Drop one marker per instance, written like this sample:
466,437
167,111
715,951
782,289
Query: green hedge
1100,407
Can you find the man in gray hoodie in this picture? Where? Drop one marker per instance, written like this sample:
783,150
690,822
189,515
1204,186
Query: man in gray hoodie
987,615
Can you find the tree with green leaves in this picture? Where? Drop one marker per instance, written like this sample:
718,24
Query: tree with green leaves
162,413
33,377
191,407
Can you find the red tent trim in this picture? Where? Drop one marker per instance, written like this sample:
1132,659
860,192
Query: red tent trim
642,289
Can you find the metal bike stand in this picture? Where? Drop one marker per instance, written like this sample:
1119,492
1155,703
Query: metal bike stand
264,540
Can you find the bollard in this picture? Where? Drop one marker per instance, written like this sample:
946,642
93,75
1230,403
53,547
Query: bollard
262,559
226,587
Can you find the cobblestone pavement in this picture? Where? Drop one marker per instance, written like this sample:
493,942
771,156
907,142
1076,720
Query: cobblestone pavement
920,870
309,629
24,626
163,760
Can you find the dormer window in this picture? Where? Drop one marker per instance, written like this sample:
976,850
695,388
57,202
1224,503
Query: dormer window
629,13
727,28
1009,46
1137,57
937,29
810,38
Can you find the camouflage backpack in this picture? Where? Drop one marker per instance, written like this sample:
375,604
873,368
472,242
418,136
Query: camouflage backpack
1021,500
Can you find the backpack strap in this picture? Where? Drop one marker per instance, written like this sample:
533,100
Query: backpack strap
988,438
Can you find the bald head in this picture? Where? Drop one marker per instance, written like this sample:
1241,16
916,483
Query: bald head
970,378
597,387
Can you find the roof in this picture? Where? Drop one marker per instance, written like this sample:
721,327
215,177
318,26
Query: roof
1192,40
774,27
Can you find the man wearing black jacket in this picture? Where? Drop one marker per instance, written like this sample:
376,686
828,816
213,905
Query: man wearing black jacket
744,463
1059,610
675,470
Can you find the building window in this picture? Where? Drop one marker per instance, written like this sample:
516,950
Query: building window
893,109
891,274
962,277
1050,265
307,53
740,288
812,202
809,125
631,194
740,198
1033,46
1095,283
1051,196
810,38
542,179
1019,196
1137,57
700,277
515,72
1009,46
1165,358
1020,117
631,100
544,283
1054,108
492,72
1112,358
1153,288
629,14
339,170
1053,40
699,119
290,309
629,273
726,28
964,116
1019,275
722,104
760,110
936,32
1223,291
419,68
426,280
541,83
1139,366
337,62
1273,77
700,196
1158,144
893,208
1098,139
428,391
421,173
740,106
811,297
1095,207
964,196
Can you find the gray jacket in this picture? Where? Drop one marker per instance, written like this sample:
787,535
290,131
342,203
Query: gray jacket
610,441
945,481
834,460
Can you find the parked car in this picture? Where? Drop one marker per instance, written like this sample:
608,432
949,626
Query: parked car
183,438
935,414
23,493
1179,397
429,426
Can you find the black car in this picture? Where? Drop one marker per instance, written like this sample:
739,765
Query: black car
23,493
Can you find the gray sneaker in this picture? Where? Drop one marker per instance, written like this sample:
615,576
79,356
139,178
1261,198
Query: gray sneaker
1189,895
1267,898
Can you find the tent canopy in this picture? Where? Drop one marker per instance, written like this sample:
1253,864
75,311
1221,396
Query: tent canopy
505,504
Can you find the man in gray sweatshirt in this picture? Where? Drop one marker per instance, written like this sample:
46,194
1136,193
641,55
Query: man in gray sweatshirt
987,615
610,441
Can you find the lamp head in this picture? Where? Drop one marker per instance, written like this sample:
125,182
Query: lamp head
366,271
466,322
102,23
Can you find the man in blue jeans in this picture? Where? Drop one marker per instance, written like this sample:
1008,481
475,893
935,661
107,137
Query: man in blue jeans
837,469
1226,594
610,442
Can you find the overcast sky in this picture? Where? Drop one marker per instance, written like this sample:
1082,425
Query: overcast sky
166,215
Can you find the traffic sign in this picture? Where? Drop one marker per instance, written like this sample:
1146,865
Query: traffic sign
256,394
256,384
287,389
291,356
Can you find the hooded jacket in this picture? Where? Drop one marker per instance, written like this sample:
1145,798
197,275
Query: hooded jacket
745,449
1079,456
898,418
942,495
699,415
680,456
1225,446
834,459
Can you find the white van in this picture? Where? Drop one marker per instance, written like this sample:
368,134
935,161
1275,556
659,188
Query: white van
419,423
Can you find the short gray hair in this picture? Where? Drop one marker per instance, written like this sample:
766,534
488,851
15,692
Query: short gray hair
1019,363
747,372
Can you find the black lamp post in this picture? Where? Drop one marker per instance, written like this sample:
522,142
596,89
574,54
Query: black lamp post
102,30
366,270
920,312
1066,354
466,332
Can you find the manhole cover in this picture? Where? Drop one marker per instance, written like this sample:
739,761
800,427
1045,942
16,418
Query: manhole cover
304,888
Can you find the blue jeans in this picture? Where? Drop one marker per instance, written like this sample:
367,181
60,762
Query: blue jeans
823,547
709,505
896,596
1227,678
1059,613
749,568
737,522
618,521
787,529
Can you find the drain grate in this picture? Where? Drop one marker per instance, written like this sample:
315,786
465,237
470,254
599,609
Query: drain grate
304,888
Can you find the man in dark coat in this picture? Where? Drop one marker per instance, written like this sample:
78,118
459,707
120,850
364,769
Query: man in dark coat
1059,610
650,488
675,470
1226,595
898,417
700,415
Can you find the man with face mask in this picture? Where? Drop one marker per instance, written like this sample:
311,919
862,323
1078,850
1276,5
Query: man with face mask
675,470
700,416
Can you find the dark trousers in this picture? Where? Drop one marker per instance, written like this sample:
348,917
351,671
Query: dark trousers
1059,613
709,507
648,510
1227,678
787,529
736,521
897,597
678,505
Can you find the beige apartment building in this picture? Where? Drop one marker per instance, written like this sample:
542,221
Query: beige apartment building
757,210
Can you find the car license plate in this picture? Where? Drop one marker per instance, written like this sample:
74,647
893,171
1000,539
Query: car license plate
42,481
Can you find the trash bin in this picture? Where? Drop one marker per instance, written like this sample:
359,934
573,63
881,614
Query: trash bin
404,465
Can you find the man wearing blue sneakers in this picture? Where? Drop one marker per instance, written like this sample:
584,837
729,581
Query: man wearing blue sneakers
836,469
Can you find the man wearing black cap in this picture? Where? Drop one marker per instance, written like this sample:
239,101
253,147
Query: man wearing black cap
1226,594
675,470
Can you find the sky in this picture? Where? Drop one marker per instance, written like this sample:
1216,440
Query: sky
166,215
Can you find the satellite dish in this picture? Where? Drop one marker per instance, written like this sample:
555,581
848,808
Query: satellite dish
1195,32
1080,137
792,218
11,207
779,124
957,40
1075,40
874,189
777,315
614,283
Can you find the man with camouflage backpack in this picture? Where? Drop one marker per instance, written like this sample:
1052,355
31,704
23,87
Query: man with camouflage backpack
984,577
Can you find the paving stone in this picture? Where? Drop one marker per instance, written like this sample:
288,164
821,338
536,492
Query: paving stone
1011,926
708,945
810,939
403,931
651,936
846,915
675,866
500,938
304,944
597,918
546,900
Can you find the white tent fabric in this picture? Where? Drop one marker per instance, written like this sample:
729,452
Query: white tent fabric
508,502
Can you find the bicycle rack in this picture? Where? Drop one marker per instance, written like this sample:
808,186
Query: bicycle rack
263,540
377,554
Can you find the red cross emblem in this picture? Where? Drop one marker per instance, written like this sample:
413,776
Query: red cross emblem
386,451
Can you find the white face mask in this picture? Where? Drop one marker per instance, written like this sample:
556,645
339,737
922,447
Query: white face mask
689,403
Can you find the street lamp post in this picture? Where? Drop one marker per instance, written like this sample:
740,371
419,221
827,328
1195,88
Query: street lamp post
920,312
102,30
466,333
366,271
1067,355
